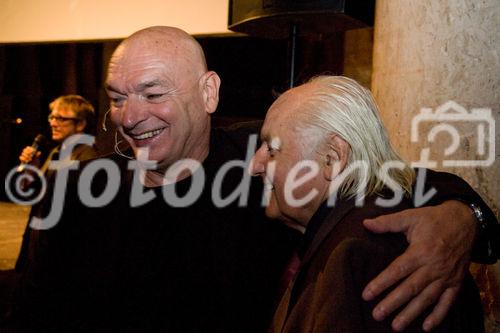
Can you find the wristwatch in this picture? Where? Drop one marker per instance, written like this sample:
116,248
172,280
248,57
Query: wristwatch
479,215
488,238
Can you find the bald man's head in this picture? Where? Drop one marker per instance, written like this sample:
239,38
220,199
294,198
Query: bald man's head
162,94
173,44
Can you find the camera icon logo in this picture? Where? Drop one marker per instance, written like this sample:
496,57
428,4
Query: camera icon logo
474,131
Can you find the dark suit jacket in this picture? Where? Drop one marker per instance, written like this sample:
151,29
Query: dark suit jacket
339,260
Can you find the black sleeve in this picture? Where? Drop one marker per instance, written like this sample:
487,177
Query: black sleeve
451,187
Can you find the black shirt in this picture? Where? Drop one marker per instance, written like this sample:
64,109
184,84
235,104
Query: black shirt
156,267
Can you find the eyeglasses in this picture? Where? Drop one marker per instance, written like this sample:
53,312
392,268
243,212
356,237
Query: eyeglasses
59,118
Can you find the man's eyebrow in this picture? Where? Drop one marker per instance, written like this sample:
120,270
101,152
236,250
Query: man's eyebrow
149,84
140,87
271,142
275,143
264,137
109,87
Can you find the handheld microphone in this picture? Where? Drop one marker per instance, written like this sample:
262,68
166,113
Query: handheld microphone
39,140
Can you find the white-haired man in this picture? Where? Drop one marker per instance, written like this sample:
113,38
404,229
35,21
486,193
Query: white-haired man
327,165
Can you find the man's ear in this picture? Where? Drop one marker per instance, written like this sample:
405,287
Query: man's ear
210,89
80,126
337,156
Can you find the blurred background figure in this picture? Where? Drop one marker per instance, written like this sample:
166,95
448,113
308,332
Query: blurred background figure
70,114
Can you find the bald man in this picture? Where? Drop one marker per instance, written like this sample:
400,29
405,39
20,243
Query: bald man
162,97
161,256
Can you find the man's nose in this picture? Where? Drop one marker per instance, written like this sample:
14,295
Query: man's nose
258,163
132,112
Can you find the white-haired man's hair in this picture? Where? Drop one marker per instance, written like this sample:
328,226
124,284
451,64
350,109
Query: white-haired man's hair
341,106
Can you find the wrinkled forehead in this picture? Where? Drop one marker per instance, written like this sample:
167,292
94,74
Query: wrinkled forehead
287,114
129,58
63,109
179,56
279,118
286,107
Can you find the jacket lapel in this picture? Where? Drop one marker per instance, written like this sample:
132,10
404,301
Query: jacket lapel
336,214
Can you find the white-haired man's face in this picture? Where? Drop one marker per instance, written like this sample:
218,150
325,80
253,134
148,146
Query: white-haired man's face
291,163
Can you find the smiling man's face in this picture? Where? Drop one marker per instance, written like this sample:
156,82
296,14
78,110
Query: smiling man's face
156,99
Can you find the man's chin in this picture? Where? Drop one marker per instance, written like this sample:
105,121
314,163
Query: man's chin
276,214
272,213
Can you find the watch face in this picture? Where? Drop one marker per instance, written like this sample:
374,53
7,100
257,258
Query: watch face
478,214
488,237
